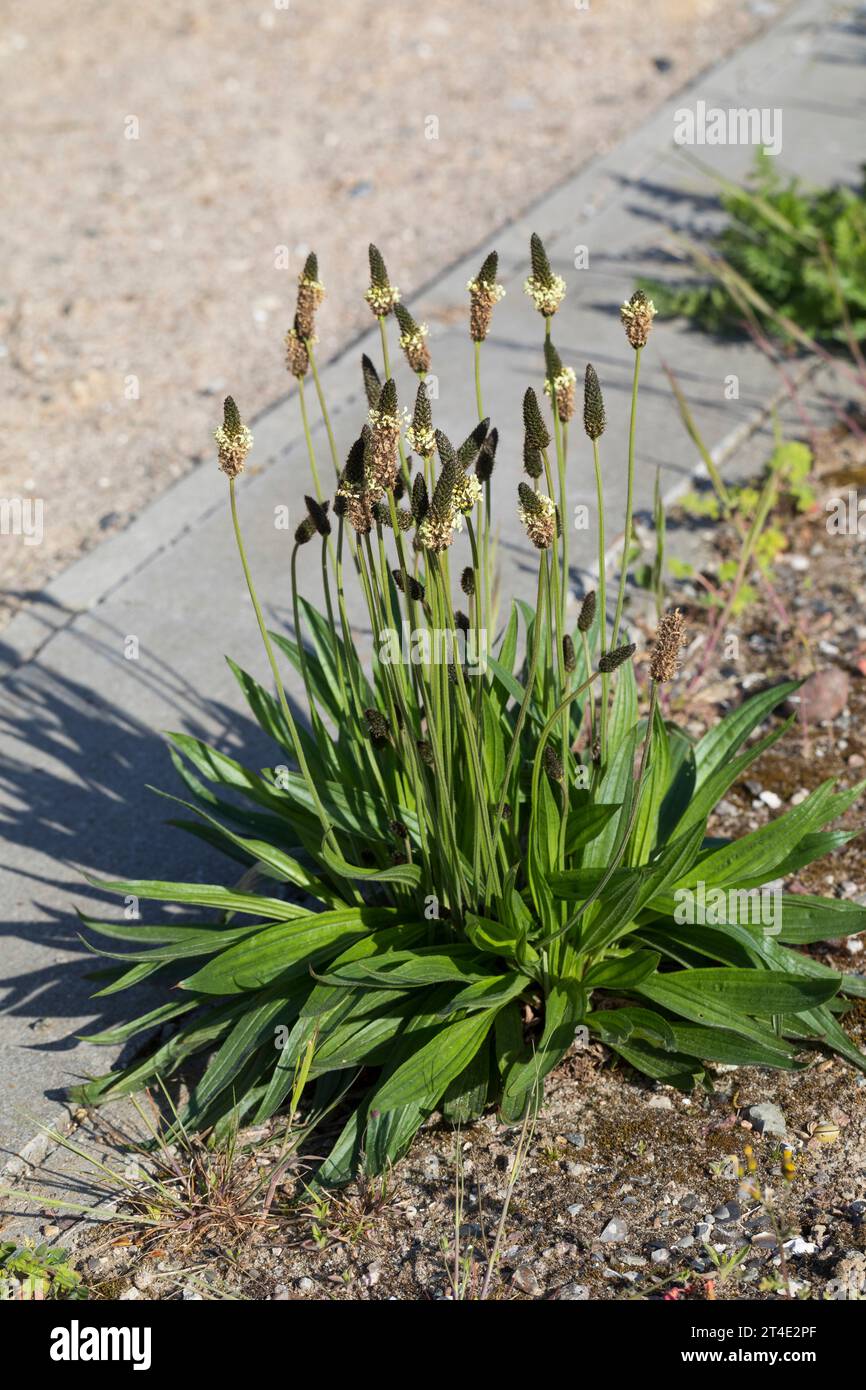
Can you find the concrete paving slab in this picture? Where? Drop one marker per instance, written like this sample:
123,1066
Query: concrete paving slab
80,723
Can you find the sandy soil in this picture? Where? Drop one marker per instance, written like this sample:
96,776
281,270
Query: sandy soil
161,156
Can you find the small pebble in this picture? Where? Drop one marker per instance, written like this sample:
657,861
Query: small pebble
767,1118
799,1246
526,1282
571,1293
765,1240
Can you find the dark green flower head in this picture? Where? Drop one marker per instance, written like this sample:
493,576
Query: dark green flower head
416,588
378,728
467,581
489,269
405,319
420,498
569,659
372,382
545,289
311,267
468,451
593,404
442,505
587,612
420,434
539,261
353,473
487,457
388,398
532,461
319,515
552,361
445,447
231,417
305,531
537,435
552,764
612,659
378,269
382,295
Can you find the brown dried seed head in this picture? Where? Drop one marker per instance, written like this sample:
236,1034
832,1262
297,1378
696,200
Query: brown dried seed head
538,514
311,292
297,356
412,336
569,659
670,639
637,315
484,292
233,439
564,386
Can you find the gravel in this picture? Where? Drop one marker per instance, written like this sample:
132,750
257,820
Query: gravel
615,1230
767,1118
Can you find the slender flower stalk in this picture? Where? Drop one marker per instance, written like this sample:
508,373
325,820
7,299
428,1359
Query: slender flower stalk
540,603
235,441
484,294
637,316
594,422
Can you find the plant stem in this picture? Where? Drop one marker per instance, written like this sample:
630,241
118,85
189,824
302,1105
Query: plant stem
602,597
322,406
310,450
275,670
540,602
629,500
